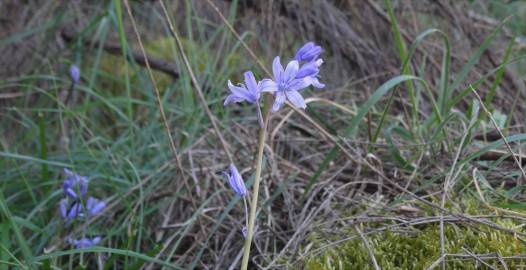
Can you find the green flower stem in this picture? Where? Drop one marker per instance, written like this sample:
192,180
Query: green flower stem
257,180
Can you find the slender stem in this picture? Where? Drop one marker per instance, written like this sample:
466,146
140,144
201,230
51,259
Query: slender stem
246,211
260,116
257,180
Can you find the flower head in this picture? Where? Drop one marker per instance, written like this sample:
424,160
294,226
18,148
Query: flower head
309,52
74,73
286,85
250,91
236,181
85,242
95,206
74,183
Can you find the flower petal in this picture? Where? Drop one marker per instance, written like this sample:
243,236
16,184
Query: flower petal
268,85
239,91
296,99
236,181
277,69
232,99
63,208
290,71
308,52
316,83
309,69
95,206
75,211
278,101
252,85
299,84
70,192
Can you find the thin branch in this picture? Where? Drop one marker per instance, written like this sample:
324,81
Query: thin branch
115,49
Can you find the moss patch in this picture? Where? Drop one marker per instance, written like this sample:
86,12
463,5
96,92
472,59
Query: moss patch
418,249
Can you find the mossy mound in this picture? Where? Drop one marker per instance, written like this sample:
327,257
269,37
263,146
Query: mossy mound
420,248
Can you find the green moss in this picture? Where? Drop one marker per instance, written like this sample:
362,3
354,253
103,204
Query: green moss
419,249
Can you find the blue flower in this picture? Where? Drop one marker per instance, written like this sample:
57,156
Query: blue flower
74,73
236,181
250,91
285,84
68,212
85,242
310,70
95,206
74,183
308,53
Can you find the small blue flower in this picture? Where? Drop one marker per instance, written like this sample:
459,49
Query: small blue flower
310,70
95,206
285,84
308,53
250,91
74,73
85,242
236,181
68,212
74,183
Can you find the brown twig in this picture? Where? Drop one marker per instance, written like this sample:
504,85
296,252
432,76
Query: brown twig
115,49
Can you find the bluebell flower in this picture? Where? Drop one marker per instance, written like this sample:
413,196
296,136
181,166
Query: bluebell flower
95,206
85,242
308,52
74,183
250,91
74,73
68,212
285,84
236,181
310,70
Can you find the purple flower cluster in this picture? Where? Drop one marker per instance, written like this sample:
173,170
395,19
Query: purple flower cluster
299,73
285,84
77,204
76,188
